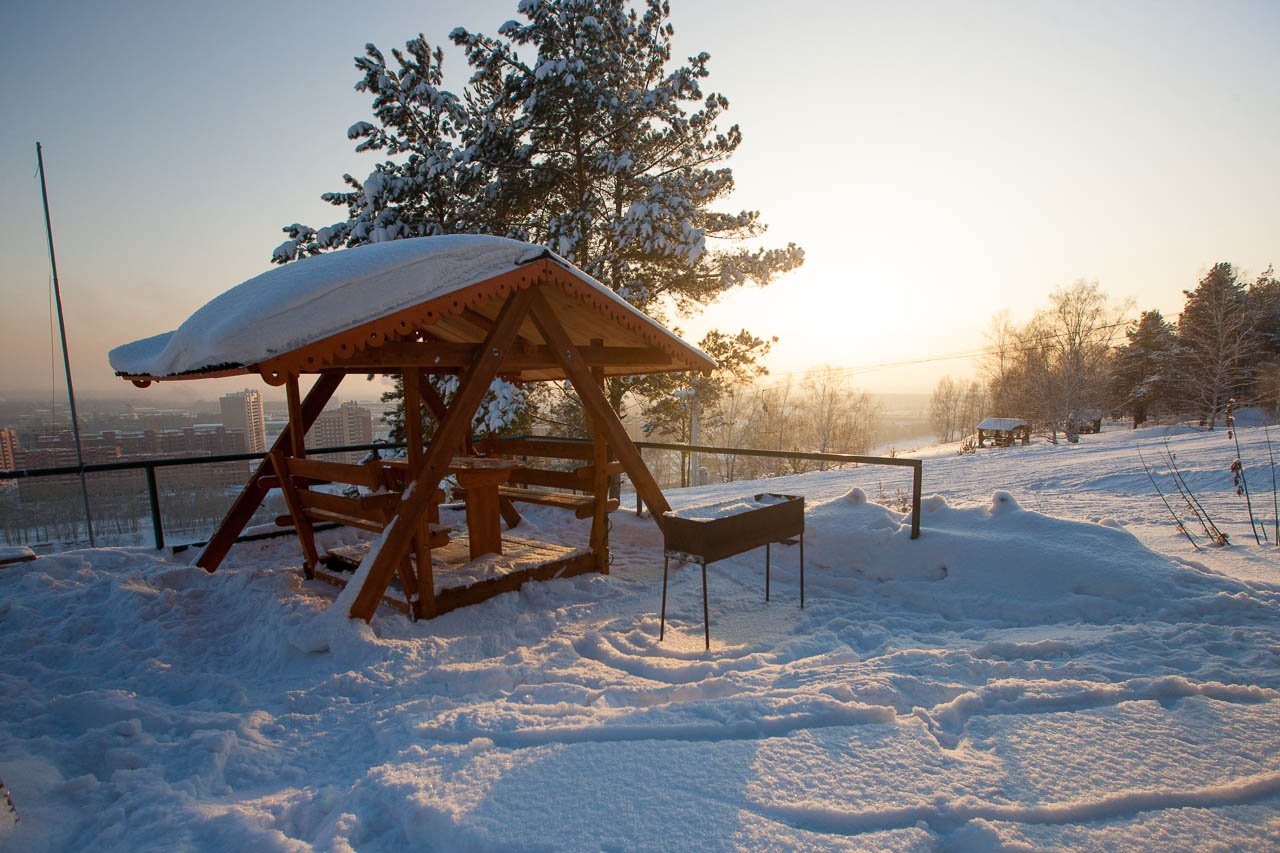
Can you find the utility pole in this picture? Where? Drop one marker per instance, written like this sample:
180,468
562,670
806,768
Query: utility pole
66,358
693,436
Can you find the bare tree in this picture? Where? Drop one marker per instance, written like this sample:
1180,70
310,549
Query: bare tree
1054,369
836,418
944,409
972,408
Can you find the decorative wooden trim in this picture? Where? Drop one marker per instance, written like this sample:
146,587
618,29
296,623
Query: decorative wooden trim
396,326
435,357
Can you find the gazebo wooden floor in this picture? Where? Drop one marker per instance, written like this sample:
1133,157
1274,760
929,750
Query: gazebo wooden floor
460,581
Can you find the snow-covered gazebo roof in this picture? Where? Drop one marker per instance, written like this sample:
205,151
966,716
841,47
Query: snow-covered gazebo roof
1003,424
336,310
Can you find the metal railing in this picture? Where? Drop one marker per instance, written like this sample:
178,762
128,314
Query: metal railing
149,466
916,465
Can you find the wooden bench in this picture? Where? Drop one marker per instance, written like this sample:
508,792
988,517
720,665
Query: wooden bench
571,490
295,477
580,484
365,512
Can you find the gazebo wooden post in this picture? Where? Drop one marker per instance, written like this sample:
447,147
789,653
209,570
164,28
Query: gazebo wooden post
599,538
254,491
598,408
301,524
422,598
297,450
297,437
398,535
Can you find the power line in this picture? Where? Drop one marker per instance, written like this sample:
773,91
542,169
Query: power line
1021,346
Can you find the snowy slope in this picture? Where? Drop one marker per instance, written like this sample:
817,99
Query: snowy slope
1051,665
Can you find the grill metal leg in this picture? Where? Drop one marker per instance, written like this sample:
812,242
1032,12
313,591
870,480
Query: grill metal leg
662,625
706,621
766,571
802,570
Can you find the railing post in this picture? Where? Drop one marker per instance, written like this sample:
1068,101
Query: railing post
153,495
917,477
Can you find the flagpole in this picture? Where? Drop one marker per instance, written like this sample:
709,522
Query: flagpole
66,358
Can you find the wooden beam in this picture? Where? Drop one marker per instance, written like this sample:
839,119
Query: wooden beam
599,538
368,476
485,325
297,437
411,381
254,492
398,536
301,524
538,447
597,406
430,396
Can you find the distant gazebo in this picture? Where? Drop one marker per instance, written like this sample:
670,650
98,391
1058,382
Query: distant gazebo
464,306
1004,432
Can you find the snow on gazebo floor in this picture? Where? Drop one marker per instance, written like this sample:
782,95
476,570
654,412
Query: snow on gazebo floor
453,568
1010,677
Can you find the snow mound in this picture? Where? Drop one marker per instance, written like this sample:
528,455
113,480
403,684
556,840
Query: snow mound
1004,564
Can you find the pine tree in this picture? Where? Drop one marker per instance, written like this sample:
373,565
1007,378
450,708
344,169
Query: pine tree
576,131
1217,345
612,156
1264,294
435,187
1264,298
1140,375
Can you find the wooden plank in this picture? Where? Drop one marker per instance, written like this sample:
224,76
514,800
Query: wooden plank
297,438
537,447
412,382
369,475
439,536
372,507
452,598
598,540
301,524
398,536
430,396
323,515
575,564
560,500
598,407
338,580
251,497
510,514
566,480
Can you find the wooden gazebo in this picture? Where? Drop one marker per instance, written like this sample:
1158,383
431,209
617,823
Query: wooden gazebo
467,306
1004,432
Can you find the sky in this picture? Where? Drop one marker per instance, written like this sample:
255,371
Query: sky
938,163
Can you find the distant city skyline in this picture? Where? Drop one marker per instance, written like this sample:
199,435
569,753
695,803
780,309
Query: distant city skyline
938,163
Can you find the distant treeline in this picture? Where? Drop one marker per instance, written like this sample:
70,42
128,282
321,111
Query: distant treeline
1079,358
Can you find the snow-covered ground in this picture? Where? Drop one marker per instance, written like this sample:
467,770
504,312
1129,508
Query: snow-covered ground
1051,665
